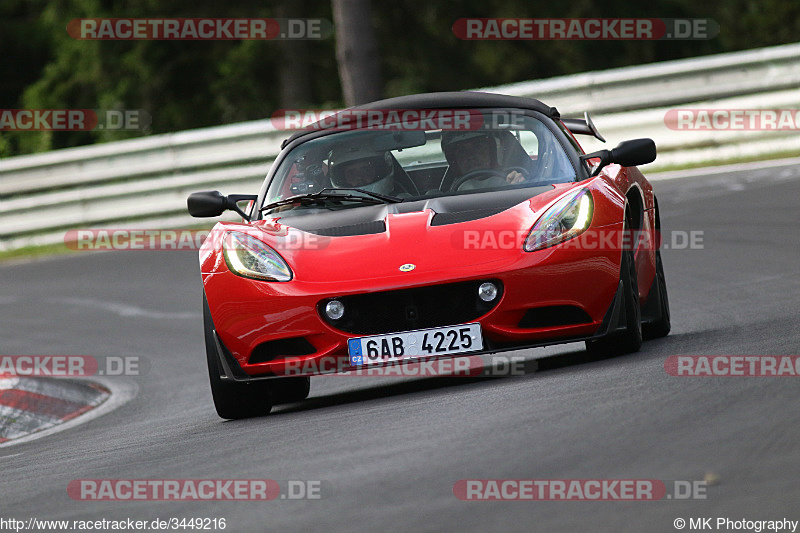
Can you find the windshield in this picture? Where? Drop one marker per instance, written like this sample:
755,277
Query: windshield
419,164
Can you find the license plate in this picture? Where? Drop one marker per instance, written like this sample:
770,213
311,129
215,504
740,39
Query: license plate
415,344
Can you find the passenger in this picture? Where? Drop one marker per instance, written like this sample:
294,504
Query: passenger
357,168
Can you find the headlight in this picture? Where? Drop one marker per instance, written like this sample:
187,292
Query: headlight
251,258
567,218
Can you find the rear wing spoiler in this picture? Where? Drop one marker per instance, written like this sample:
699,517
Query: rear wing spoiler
583,126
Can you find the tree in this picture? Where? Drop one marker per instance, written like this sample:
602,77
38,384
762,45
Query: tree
294,67
357,51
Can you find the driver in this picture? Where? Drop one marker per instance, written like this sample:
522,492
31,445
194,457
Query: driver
471,151
354,167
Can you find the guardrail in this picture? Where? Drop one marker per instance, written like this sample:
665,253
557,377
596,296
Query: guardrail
143,183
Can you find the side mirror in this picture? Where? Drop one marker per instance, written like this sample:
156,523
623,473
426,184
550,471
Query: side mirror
206,204
213,203
634,153
627,153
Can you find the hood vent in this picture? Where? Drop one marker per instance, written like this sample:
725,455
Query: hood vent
362,228
443,219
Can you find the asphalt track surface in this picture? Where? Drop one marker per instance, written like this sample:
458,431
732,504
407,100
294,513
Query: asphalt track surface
389,450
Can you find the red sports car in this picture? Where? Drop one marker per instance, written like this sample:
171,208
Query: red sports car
427,226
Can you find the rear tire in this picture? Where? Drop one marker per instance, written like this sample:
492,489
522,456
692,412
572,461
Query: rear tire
661,326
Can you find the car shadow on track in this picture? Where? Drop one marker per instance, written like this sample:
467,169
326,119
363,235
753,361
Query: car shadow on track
530,366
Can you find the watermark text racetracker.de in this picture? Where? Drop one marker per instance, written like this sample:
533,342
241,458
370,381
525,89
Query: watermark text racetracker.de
733,119
71,366
415,367
584,29
74,119
578,490
733,365
592,239
197,489
396,119
282,238
199,29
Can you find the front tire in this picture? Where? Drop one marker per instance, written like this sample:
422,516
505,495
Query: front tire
290,390
629,340
234,400
231,399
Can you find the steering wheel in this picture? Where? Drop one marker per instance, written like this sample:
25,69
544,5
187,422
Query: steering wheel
484,173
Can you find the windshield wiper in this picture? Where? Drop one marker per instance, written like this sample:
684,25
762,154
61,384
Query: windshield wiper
385,197
323,196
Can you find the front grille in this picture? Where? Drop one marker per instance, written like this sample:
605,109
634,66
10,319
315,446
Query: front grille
554,316
407,309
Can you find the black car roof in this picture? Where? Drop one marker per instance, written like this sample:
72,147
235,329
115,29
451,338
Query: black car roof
445,100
